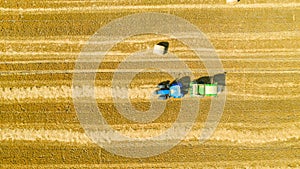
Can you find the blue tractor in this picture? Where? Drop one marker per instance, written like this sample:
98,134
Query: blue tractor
169,90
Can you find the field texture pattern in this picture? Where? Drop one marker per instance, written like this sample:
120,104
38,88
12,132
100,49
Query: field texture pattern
257,41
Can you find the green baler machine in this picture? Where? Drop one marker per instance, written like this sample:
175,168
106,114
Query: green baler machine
202,90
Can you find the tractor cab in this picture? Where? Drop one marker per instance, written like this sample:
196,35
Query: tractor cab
167,90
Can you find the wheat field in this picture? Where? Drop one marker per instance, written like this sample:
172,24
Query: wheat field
257,41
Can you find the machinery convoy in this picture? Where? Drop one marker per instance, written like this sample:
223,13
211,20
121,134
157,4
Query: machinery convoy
202,87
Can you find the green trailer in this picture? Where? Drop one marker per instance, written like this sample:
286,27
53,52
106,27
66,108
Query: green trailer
202,90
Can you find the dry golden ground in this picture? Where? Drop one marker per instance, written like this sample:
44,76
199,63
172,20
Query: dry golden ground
257,42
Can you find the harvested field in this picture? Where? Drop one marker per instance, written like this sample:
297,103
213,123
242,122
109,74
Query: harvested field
257,41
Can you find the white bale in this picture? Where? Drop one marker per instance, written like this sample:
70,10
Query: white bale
211,90
231,1
195,89
159,49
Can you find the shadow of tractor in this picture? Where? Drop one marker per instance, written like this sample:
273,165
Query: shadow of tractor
185,81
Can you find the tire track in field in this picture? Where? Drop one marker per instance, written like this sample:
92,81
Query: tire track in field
225,132
142,92
11,11
81,40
